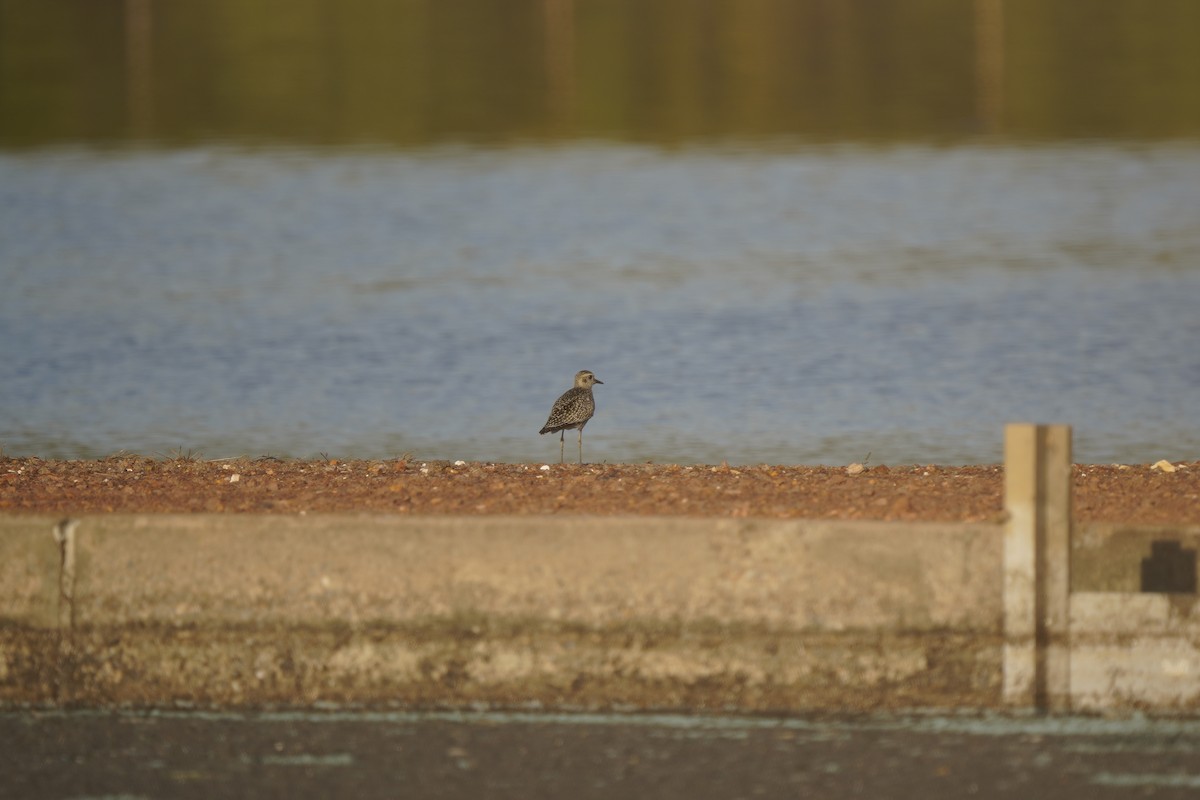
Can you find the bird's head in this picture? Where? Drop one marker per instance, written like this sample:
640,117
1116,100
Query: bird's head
585,379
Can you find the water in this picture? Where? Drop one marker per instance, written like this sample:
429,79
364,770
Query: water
779,231
787,305
353,752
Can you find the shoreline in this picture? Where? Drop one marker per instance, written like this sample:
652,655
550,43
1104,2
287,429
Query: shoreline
1143,494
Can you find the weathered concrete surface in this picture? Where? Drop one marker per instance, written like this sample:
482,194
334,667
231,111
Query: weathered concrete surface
595,612
1107,557
30,562
826,576
1131,649
1135,651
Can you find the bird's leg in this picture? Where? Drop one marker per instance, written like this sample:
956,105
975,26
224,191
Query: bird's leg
561,445
580,444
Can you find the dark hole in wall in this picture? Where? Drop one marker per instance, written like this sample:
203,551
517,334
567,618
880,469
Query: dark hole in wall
1170,568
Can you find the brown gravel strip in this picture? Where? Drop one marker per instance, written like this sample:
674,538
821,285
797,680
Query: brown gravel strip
136,484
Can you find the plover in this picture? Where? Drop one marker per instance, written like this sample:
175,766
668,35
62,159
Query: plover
573,410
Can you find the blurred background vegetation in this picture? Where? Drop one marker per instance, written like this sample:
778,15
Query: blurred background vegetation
415,73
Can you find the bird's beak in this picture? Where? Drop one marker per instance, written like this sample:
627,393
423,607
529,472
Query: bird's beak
599,381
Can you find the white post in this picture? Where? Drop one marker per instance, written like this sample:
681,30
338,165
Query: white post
1037,574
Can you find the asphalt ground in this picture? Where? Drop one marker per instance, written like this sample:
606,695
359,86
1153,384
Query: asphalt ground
183,754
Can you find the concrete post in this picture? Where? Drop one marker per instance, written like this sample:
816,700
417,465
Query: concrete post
1037,548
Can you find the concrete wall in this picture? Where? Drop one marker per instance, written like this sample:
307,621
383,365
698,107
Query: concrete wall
561,612
1131,649
636,612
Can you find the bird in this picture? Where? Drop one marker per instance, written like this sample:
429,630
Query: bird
573,410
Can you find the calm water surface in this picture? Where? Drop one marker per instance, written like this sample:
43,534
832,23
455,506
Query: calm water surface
812,305
367,754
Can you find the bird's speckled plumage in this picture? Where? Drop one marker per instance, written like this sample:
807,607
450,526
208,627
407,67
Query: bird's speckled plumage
573,409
